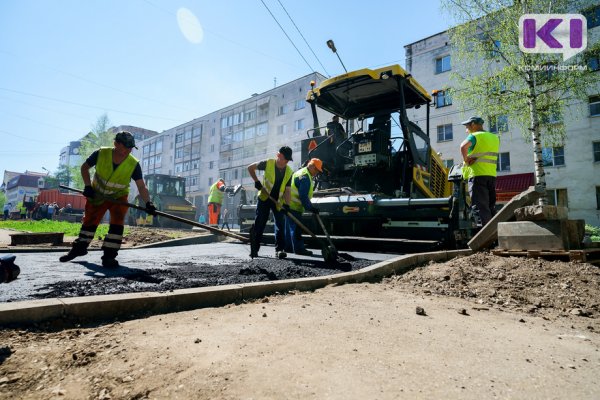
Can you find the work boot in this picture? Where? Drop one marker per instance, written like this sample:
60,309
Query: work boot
74,252
281,254
109,262
304,252
253,254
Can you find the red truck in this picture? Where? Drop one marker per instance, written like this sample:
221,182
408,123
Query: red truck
73,213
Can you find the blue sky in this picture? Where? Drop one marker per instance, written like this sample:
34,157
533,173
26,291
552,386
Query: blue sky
64,63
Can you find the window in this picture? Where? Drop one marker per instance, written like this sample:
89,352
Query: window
444,133
499,124
212,148
282,109
211,164
593,62
179,153
557,197
281,129
443,98
503,162
442,64
179,138
300,104
596,151
551,117
553,156
299,124
594,106
249,133
495,47
250,115
449,163
261,129
210,182
593,16
497,86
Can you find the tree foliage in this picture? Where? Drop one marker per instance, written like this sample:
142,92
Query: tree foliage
99,136
495,78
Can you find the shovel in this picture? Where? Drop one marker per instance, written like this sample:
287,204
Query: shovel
328,256
170,216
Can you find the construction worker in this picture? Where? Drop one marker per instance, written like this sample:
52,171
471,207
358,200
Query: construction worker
480,155
301,192
215,199
115,167
276,184
336,130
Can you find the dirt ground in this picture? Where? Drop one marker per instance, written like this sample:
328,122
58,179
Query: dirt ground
480,326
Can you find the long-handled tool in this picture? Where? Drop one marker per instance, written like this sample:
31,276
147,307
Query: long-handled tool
171,216
345,256
331,247
328,256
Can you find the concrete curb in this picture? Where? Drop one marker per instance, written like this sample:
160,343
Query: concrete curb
132,305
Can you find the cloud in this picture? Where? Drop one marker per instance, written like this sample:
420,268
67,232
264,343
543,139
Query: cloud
189,26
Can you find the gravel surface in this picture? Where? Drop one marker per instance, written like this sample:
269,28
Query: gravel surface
474,327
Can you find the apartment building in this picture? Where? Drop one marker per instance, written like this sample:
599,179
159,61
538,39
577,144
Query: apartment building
223,143
572,170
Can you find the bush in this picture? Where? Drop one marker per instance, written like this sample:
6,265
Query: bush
593,231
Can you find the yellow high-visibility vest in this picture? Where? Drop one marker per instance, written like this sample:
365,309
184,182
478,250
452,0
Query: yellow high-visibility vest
485,153
110,182
295,203
269,180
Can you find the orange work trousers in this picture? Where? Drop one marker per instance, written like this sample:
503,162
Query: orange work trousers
214,210
94,213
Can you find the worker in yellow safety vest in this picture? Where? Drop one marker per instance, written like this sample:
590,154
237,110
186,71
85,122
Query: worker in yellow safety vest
115,168
302,191
480,156
273,194
215,199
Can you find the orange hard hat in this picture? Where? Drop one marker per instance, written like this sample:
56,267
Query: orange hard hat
317,163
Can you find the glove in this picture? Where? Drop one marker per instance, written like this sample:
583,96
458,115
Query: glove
286,208
314,210
258,185
89,192
150,208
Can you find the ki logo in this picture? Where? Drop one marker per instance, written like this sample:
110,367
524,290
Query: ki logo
553,33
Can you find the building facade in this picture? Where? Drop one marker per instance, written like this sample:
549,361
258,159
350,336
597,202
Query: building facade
223,143
572,170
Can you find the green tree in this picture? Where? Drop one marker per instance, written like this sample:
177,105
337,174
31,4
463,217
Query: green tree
494,77
2,199
98,137
63,174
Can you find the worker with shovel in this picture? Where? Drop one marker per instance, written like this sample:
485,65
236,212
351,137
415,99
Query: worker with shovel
115,167
276,185
301,192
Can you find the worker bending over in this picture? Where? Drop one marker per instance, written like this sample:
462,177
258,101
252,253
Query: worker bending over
215,199
301,192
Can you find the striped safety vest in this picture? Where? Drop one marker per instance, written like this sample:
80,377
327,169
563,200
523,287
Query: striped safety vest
269,180
110,182
485,151
295,203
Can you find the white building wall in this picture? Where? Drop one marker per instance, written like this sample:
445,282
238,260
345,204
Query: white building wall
580,175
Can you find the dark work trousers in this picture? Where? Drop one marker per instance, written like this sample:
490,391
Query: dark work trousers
262,216
482,190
